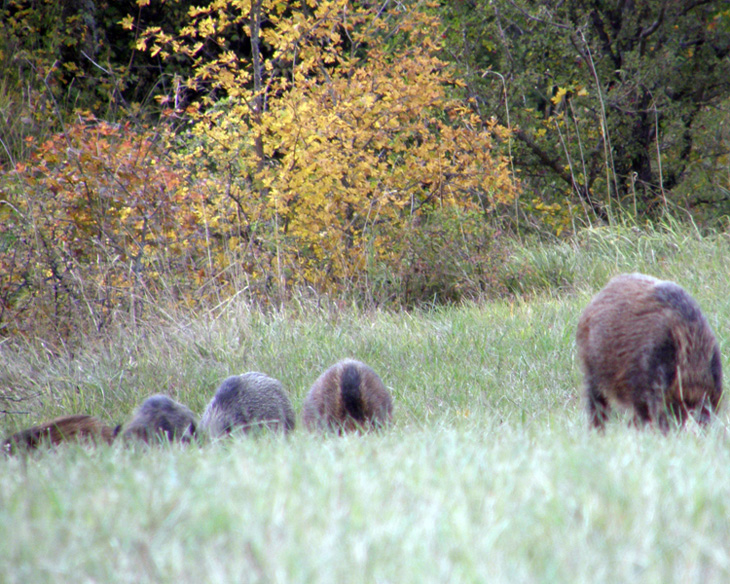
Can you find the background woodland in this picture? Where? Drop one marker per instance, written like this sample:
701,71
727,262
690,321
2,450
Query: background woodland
381,154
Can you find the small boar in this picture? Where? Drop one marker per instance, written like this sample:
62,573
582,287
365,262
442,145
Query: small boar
645,345
77,427
159,417
348,396
248,402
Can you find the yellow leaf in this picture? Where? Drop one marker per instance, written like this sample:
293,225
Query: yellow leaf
127,22
559,96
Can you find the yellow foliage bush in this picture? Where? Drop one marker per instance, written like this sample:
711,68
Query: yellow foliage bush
318,151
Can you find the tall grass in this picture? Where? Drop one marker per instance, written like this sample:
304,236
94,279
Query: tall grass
488,474
593,255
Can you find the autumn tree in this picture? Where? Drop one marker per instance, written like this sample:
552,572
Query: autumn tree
616,104
325,136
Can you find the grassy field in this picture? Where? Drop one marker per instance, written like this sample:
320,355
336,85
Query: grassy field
488,474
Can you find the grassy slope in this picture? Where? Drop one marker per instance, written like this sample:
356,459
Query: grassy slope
489,473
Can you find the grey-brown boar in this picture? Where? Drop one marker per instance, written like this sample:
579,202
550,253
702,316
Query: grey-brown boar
77,427
248,402
645,345
346,397
160,418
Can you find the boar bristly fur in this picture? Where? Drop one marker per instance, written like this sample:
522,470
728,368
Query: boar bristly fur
249,402
645,345
346,397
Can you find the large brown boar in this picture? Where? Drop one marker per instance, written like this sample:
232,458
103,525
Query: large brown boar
249,402
77,427
644,344
348,396
160,418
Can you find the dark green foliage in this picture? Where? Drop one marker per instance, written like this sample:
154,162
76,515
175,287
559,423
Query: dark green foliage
606,95
59,58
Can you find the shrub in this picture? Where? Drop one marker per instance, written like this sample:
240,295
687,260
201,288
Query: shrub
95,221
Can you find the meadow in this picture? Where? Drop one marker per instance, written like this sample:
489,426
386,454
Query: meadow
488,473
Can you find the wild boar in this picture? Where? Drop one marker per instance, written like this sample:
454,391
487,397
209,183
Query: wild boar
249,402
159,417
645,345
346,397
77,427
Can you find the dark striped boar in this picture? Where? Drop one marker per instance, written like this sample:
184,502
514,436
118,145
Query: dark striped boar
248,402
160,418
645,345
348,396
77,427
